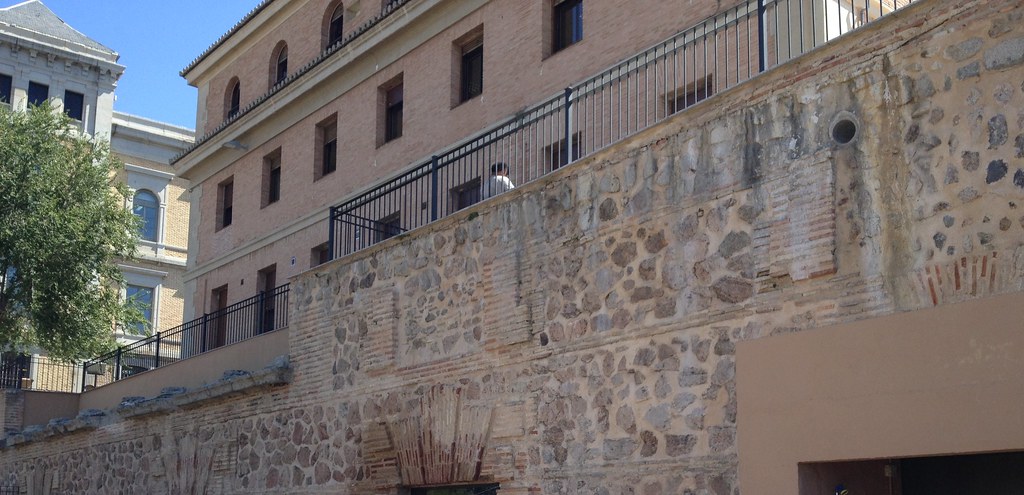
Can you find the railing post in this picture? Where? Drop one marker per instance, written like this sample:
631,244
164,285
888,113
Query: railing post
85,374
762,50
157,359
568,126
22,370
330,233
262,309
117,364
202,338
434,185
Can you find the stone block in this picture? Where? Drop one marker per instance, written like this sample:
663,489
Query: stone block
1007,54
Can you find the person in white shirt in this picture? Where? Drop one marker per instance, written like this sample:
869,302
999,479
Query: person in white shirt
499,181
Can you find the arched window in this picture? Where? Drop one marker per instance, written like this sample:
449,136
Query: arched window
146,206
233,98
279,64
333,25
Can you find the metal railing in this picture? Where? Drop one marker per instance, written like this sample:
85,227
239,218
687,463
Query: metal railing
262,313
40,373
635,94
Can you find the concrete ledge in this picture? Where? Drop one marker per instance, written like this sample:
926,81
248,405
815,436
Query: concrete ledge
191,373
233,382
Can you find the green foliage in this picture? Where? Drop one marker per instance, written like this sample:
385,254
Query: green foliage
63,227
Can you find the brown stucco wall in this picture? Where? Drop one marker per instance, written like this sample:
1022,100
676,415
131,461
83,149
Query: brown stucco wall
922,383
41,407
247,355
580,332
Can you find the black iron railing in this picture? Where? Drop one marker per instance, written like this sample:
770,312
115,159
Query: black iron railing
710,57
41,373
262,313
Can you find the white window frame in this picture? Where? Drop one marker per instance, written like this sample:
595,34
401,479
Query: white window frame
142,277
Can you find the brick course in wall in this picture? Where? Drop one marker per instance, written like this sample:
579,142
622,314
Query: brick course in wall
582,328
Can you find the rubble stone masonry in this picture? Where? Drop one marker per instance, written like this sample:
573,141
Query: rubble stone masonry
577,335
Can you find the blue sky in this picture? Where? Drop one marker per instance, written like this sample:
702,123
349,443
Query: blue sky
156,39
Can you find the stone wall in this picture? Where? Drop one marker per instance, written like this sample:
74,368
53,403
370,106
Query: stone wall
577,335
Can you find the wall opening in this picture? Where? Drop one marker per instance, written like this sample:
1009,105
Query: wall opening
489,489
937,475
844,130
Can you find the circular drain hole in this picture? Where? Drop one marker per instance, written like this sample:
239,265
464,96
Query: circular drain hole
844,131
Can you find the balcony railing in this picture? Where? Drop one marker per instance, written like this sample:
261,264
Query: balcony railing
265,312
39,373
633,95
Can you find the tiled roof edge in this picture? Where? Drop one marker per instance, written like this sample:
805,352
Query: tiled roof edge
224,37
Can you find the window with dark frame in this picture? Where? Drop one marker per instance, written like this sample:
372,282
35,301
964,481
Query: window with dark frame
281,67
466,194
394,99
225,203
472,70
326,147
218,334
690,95
335,26
319,255
567,23
271,178
37,93
557,154
266,282
74,105
387,227
234,100
6,86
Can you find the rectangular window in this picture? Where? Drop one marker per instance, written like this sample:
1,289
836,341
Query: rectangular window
271,178
141,298
465,195
319,255
568,24
387,227
558,154
74,105
37,93
225,203
326,147
392,97
6,87
394,106
471,69
689,95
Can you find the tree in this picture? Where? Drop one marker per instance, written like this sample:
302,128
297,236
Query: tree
63,227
